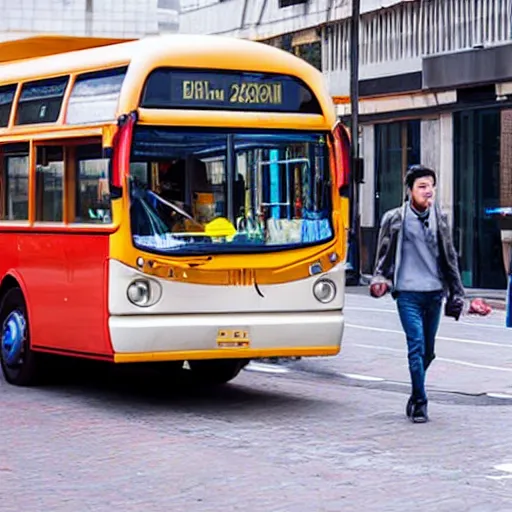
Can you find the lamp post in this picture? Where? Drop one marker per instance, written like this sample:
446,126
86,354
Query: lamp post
354,240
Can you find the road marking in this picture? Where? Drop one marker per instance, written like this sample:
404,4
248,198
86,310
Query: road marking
456,340
475,365
499,395
378,310
506,468
265,368
368,378
446,360
370,309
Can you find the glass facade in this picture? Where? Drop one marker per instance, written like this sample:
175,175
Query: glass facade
397,145
482,189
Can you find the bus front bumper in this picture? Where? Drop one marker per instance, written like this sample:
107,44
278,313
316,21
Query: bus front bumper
146,338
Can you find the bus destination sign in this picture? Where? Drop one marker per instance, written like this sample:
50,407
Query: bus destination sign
242,92
168,88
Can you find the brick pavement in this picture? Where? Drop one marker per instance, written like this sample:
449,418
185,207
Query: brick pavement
264,443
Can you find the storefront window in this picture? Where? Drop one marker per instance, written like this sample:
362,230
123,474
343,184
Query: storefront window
397,147
482,192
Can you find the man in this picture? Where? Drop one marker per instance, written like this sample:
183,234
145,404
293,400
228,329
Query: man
417,262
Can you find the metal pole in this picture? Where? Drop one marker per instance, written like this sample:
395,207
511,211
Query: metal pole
354,114
508,303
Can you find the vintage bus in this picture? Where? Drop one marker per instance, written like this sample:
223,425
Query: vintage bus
176,199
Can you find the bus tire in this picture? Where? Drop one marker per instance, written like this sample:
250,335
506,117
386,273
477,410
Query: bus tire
18,360
216,371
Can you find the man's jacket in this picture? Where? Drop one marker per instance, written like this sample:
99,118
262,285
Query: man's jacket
389,251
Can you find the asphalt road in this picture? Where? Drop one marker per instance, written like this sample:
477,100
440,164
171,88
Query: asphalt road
326,434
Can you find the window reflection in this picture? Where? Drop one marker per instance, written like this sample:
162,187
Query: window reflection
17,188
215,192
49,184
93,192
94,96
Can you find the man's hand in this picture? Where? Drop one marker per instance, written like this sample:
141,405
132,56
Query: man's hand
378,290
454,307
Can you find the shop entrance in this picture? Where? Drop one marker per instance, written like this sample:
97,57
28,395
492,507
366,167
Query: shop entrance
480,179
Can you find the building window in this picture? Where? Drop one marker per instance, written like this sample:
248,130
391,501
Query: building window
305,44
311,53
289,3
397,145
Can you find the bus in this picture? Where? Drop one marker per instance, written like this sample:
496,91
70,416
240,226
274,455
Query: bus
179,200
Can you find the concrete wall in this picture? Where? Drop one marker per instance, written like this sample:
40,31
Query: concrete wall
367,190
445,193
264,18
437,153
116,18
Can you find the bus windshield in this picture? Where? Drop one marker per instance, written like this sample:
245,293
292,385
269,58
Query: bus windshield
201,192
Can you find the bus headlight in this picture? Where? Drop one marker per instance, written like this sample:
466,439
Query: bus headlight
324,290
143,292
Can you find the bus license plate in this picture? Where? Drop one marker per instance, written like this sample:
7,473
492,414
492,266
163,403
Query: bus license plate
233,338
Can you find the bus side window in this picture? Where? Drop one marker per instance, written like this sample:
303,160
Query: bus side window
92,205
14,174
49,183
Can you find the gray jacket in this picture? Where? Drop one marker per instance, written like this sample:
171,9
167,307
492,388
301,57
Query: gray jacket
389,250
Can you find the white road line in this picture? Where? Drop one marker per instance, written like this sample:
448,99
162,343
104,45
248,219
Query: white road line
475,365
500,395
444,359
265,368
378,310
368,378
492,326
389,349
456,340
506,468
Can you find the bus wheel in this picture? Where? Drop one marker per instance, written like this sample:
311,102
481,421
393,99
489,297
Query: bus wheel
216,371
17,359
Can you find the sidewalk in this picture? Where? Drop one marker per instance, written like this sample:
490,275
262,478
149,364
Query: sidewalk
495,298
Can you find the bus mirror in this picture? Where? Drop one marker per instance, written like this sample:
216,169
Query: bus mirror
342,157
121,146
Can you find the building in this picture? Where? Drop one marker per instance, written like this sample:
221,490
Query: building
106,18
436,88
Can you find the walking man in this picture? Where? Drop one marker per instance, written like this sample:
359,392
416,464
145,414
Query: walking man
417,262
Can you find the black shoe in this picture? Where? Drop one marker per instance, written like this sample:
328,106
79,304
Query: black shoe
419,413
409,406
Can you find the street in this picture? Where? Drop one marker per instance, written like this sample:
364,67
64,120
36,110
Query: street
325,434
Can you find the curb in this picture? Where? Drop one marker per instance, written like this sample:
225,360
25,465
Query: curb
496,302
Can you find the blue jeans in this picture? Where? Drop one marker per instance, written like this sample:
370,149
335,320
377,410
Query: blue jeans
420,313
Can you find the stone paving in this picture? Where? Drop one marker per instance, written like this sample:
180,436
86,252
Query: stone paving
291,442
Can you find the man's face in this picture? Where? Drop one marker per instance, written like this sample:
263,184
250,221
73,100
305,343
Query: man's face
423,192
